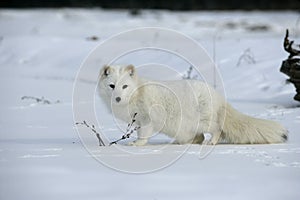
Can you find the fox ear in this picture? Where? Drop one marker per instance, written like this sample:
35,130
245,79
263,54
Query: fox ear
130,69
105,71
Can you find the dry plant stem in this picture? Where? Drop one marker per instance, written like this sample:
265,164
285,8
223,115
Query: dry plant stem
288,46
129,130
39,100
291,65
93,129
246,56
188,74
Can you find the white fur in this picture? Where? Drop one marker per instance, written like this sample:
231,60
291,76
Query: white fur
183,109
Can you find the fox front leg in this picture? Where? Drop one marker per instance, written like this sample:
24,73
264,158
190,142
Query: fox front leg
144,133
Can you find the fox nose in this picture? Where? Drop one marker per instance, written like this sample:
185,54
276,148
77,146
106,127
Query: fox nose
118,99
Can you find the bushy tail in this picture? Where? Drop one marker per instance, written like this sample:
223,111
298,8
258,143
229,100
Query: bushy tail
242,129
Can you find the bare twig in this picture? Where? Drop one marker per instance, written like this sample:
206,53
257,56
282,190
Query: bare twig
129,130
288,46
291,65
246,56
92,38
41,100
93,129
188,74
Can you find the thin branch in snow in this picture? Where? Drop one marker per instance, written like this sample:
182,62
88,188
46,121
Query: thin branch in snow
41,100
92,38
247,57
188,74
93,129
129,130
288,46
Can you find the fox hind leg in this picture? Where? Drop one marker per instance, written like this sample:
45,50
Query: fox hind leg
216,132
198,139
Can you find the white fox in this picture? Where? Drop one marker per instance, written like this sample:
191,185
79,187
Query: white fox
184,110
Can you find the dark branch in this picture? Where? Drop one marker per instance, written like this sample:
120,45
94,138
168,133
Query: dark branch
288,45
247,56
93,129
41,100
188,74
129,130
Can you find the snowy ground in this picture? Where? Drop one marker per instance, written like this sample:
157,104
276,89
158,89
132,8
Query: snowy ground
41,155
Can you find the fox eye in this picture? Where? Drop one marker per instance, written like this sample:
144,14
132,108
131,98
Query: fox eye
125,86
112,86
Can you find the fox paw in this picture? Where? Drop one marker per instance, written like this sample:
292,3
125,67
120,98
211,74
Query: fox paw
209,142
138,143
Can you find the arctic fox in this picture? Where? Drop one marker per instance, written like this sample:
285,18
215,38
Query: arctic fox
182,109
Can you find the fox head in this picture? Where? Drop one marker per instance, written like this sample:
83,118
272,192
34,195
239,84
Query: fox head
117,83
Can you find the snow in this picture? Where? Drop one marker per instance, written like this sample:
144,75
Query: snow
42,156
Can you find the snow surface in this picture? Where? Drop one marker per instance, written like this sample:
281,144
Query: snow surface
42,157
